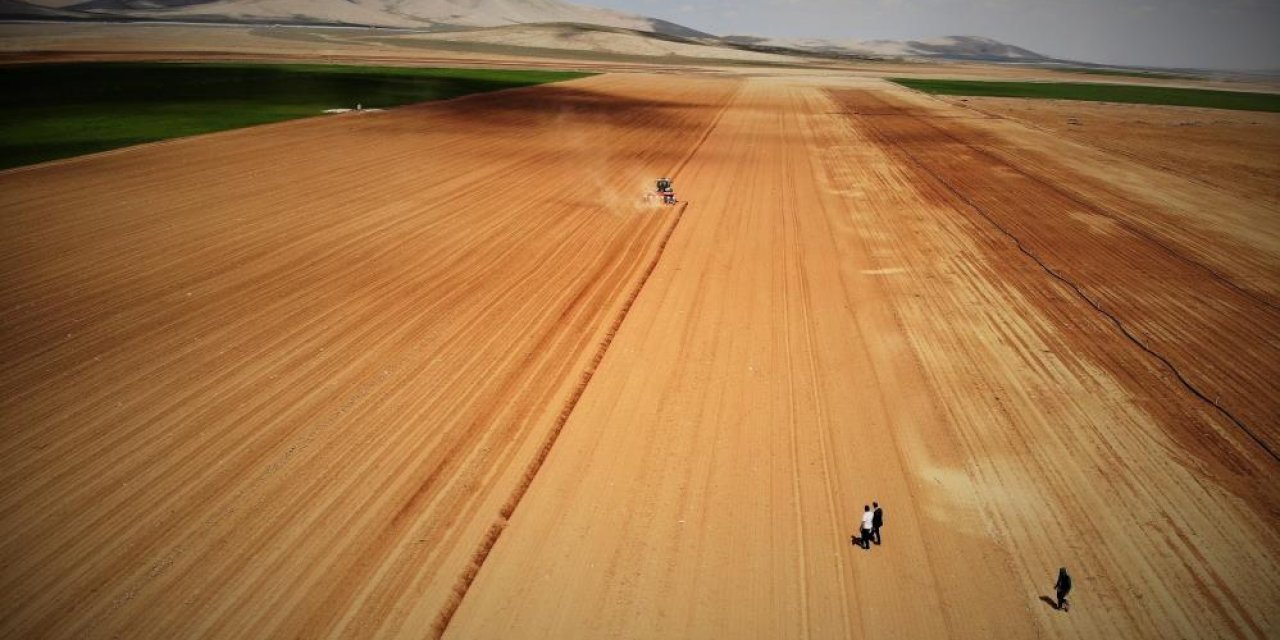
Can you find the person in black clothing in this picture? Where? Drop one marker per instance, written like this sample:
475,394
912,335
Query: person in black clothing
1063,587
877,521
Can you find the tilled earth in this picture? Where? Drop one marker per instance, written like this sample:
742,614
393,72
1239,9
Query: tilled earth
443,370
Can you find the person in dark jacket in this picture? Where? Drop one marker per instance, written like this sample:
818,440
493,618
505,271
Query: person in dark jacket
877,521
1063,587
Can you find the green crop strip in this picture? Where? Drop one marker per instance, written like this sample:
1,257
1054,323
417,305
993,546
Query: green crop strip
1133,94
50,111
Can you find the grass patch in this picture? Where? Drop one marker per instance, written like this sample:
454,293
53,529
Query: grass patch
50,111
1133,94
1159,75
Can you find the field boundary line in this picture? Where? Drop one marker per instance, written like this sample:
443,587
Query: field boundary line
468,576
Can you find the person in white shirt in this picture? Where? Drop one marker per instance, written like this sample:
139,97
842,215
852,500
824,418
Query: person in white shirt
867,517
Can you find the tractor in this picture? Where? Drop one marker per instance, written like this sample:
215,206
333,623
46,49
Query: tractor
666,191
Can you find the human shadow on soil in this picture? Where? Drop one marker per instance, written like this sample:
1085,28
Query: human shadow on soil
1049,601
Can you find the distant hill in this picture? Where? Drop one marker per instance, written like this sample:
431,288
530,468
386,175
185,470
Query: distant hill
568,26
598,39
949,47
410,14
32,11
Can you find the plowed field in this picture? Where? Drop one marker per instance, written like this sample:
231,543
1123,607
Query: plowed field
441,370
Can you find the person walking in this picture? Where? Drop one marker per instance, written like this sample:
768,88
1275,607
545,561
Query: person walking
866,527
877,521
1063,587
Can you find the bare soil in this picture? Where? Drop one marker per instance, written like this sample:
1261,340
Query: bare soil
1236,151
439,370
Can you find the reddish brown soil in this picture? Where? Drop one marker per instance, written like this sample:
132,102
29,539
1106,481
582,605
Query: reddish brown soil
1235,151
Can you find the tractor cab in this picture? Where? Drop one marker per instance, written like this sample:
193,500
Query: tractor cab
666,191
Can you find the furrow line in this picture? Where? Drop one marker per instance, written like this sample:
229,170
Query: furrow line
495,531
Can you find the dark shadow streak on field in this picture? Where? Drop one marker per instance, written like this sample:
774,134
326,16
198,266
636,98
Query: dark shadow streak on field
548,103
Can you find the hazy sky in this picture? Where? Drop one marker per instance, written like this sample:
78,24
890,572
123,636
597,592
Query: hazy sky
1225,34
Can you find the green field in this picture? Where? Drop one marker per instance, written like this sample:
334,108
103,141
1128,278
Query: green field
1134,94
1158,75
50,111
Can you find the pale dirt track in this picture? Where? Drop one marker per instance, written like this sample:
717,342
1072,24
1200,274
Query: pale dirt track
292,380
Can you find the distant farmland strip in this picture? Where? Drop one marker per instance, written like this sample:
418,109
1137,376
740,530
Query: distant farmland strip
51,111
1130,74
1237,100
